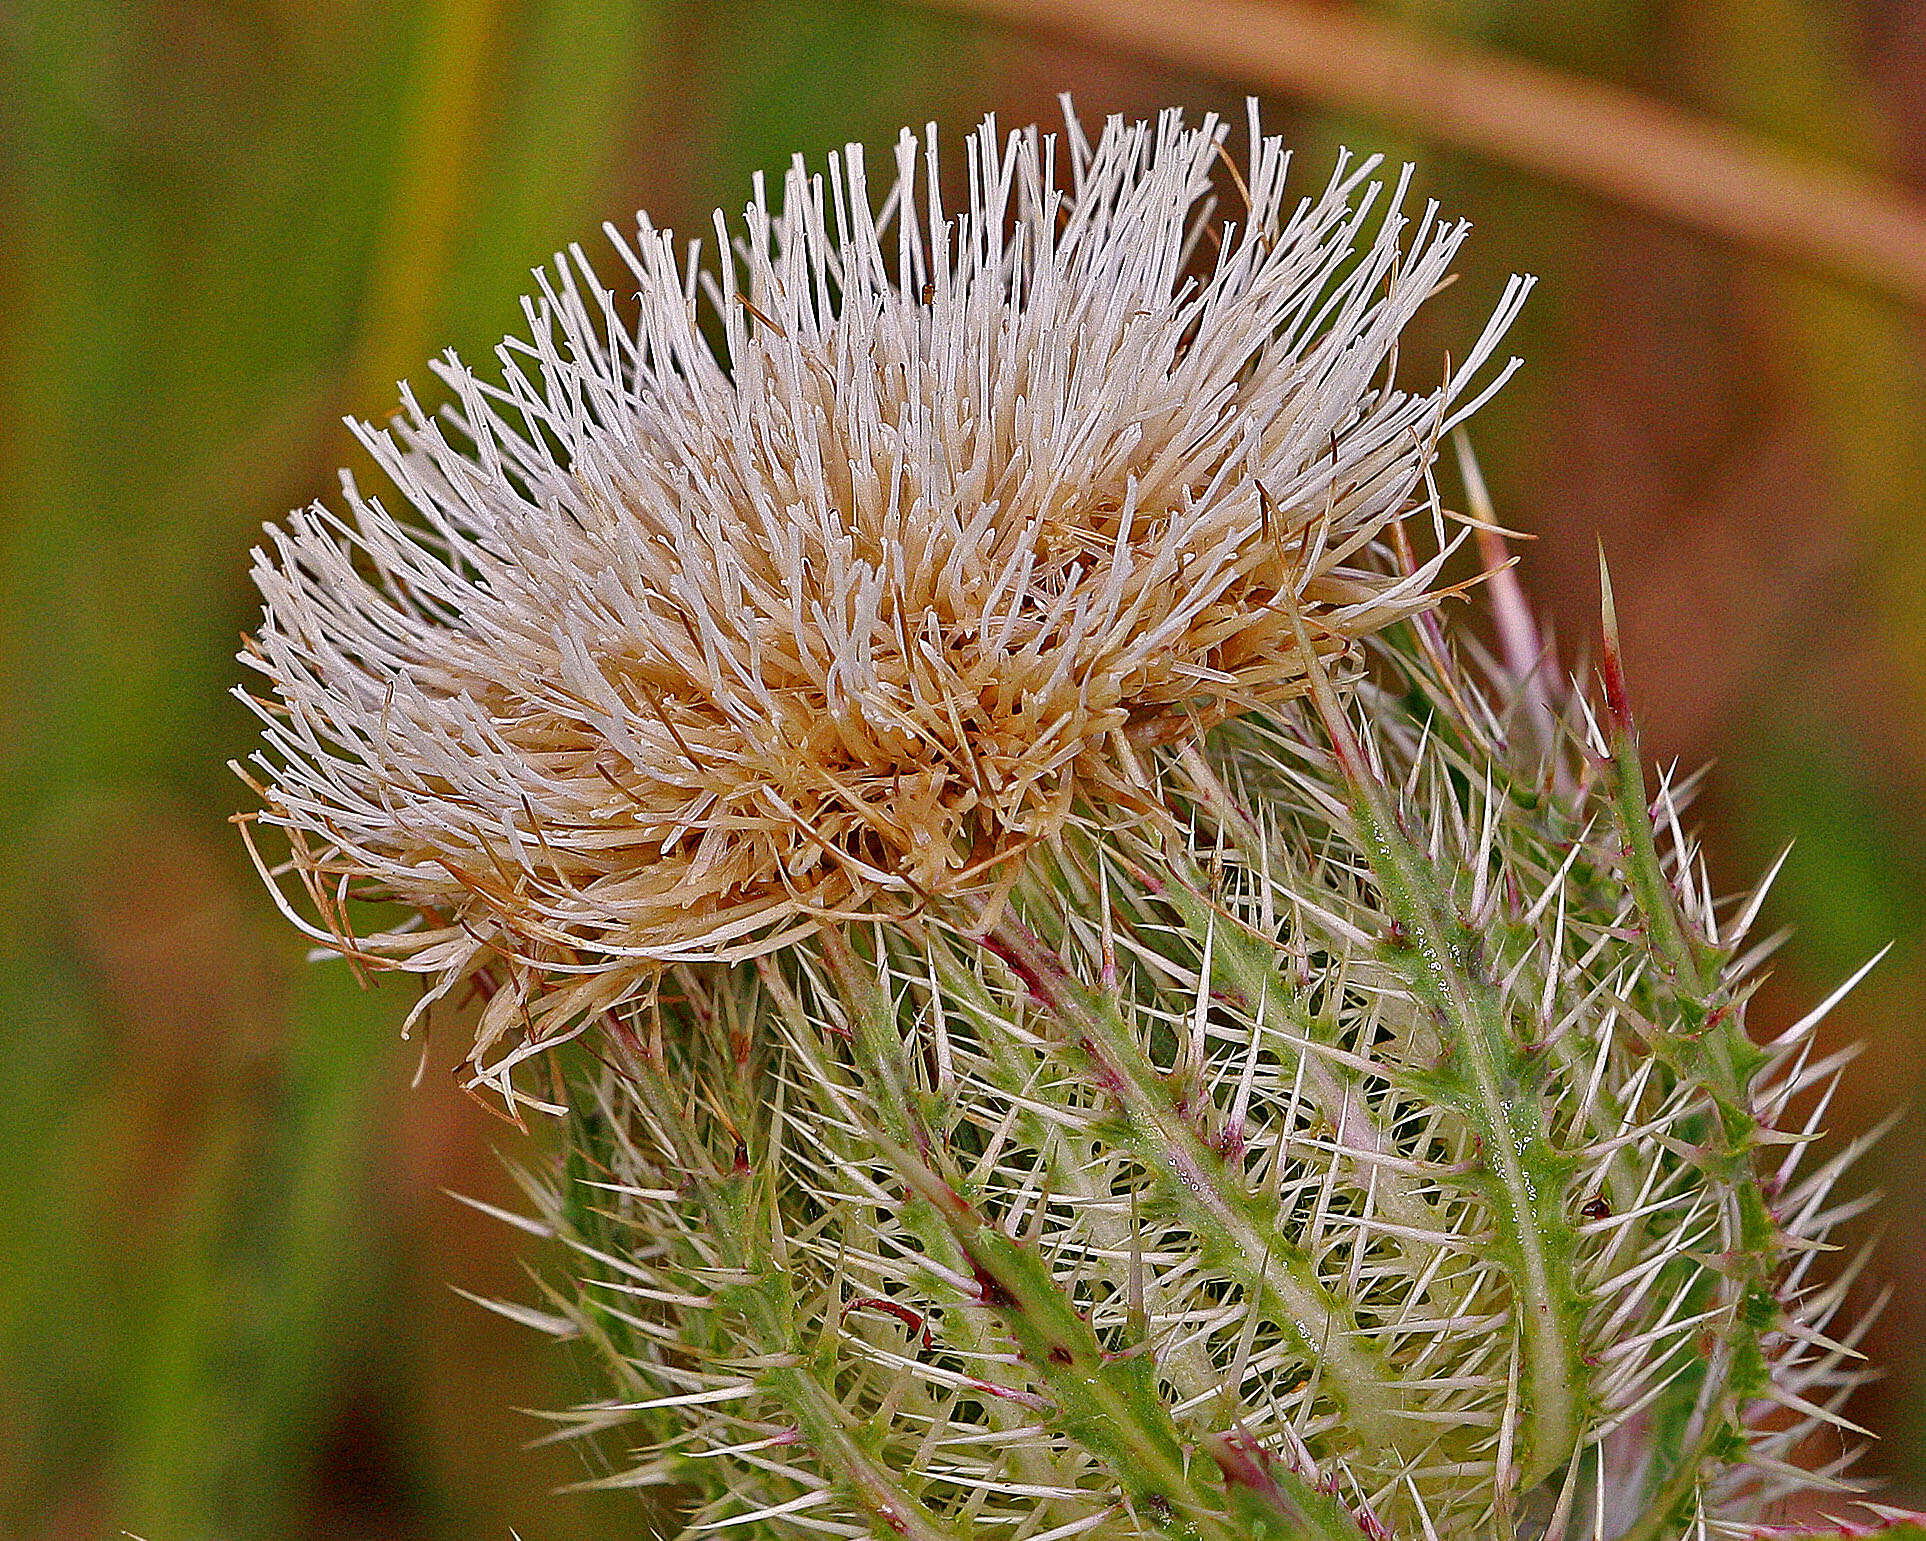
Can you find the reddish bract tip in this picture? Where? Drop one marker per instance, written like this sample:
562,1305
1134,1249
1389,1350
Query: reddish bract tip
1612,662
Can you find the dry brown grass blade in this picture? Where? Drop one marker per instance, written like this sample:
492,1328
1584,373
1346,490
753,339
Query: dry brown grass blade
1608,141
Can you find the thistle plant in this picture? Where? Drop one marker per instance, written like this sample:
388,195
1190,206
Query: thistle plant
1100,1016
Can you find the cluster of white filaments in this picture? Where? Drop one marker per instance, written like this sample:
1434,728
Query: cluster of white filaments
684,649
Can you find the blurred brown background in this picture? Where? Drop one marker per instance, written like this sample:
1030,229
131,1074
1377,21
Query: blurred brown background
224,1245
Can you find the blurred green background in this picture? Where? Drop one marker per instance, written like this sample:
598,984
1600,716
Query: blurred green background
224,1242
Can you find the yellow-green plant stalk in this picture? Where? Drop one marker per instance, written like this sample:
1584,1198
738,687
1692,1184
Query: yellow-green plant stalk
1103,1018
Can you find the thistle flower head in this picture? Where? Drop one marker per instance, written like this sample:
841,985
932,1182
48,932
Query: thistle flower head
686,647
1067,1067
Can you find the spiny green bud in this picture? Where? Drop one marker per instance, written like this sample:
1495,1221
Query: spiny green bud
1102,1018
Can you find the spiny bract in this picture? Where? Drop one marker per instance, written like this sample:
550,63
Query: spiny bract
1345,1144
690,653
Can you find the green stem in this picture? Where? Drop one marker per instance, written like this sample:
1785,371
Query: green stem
1236,1229
1733,1059
1664,929
1107,1402
1496,1085
1714,1052
1249,972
